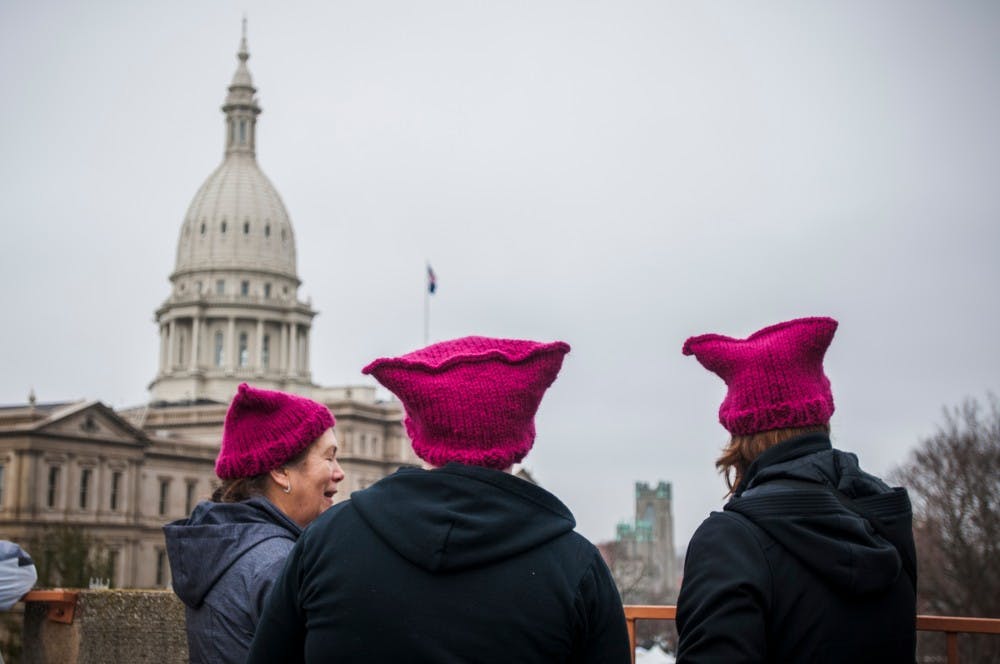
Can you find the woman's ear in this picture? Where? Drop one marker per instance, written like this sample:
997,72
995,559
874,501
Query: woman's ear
280,477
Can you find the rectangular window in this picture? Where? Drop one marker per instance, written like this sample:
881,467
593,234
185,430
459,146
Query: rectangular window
244,288
164,496
161,567
266,351
2,482
53,486
113,566
218,349
220,287
244,350
85,487
116,485
192,486
267,290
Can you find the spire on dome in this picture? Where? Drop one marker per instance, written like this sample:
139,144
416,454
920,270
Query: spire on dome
241,106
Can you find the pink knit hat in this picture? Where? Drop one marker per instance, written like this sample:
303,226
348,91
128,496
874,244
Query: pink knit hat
775,376
265,429
472,400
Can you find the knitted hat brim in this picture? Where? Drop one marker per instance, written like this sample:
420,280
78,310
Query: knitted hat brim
510,357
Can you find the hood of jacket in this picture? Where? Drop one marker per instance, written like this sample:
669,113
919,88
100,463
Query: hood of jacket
457,517
202,547
790,492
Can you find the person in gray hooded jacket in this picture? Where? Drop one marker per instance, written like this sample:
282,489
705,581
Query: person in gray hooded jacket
279,470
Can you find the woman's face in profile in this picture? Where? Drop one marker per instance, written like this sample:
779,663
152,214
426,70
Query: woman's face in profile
314,481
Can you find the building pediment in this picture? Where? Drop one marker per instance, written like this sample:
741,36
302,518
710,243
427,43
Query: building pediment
92,420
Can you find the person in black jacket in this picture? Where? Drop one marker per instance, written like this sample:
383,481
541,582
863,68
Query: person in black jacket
812,559
462,562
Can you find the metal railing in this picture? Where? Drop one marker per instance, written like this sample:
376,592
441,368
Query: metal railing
950,626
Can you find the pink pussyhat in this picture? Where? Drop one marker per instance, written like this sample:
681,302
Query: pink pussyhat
775,376
472,400
265,429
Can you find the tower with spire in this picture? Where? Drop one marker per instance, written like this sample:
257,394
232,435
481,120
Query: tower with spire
233,313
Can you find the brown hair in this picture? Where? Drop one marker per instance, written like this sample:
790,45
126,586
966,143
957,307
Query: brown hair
742,450
239,489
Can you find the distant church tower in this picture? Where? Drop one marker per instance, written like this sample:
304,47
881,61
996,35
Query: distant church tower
233,313
647,543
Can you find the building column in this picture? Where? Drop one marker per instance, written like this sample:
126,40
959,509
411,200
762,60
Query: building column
195,334
260,345
282,365
305,350
293,350
163,347
231,345
171,341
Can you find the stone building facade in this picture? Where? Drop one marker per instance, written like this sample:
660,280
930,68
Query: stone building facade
232,315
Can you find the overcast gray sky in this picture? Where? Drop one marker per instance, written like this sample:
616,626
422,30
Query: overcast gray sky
619,175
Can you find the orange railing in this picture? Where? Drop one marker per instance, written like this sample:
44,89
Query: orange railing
950,626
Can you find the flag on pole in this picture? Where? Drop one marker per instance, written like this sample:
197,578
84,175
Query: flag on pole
431,280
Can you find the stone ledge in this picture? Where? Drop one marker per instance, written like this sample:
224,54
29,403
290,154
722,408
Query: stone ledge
137,626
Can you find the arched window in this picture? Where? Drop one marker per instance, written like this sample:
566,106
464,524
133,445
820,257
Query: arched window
218,349
244,352
243,132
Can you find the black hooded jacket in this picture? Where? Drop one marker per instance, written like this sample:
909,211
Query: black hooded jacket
458,564
791,572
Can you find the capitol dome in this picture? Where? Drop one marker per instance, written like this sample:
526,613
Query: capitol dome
233,314
237,220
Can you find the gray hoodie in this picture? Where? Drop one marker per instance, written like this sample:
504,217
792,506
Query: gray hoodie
223,561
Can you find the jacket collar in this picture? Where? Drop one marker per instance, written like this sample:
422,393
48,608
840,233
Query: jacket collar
786,450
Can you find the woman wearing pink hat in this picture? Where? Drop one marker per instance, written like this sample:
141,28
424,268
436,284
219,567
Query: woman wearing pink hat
279,471
812,559
461,563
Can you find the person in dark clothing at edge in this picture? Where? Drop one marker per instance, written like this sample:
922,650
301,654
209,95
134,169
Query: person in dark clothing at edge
279,469
812,559
462,562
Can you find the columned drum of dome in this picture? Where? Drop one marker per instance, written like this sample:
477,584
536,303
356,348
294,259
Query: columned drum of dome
233,313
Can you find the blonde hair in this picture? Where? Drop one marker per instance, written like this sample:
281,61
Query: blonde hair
743,450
